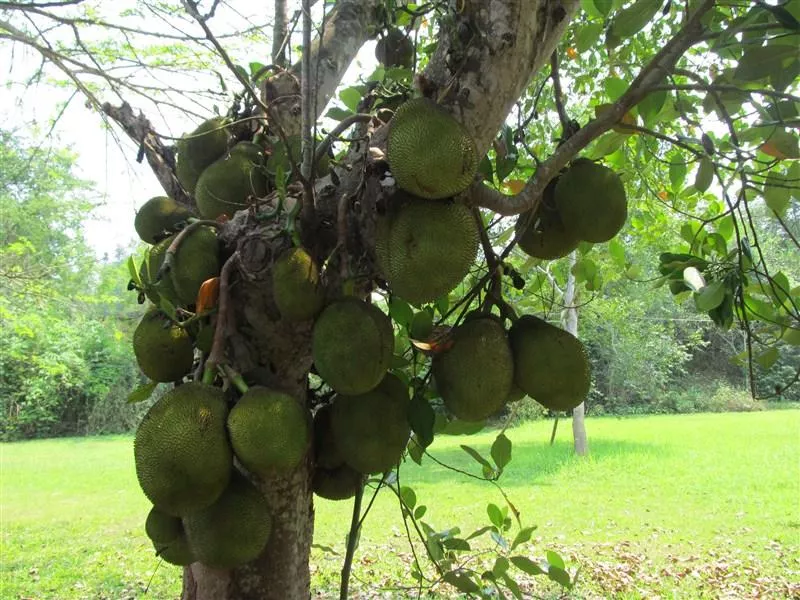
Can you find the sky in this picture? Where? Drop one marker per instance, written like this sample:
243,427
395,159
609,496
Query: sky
106,158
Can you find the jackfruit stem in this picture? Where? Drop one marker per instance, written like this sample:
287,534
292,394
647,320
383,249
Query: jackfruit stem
235,378
209,372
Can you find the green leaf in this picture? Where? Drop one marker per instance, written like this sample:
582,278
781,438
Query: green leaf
614,87
587,37
461,582
459,427
495,515
501,565
408,497
501,451
457,544
606,144
421,417
617,251
133,271
526,565
768,358
777,193
477,456
758,63
560,576
631,20
554,559
603,6
651,105
523,536
415,450
401,312
338,114
710,297
421,325
420,511
705,174
485,169
350,97
677,174
142,393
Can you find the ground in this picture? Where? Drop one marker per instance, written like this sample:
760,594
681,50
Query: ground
692,505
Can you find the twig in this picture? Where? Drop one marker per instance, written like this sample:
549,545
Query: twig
352,540
340,128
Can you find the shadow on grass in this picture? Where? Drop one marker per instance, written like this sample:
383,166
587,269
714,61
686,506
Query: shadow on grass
533,462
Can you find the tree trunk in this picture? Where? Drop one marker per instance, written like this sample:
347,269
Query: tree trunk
571,325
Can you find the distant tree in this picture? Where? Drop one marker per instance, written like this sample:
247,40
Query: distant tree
691,103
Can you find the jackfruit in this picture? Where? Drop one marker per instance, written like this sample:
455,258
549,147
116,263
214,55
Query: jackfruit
227,185
395,49
326,453
339,483
430,153
233,530
474,376
591,201
296,287
547,239
371,430
196,260
352,344
550,364
183,459
269,431
426,249
162,349
168,537
148,272
158,217
198,149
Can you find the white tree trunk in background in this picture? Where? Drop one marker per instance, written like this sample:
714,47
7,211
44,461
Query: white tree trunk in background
571,324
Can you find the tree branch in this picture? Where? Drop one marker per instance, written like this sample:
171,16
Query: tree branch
649,77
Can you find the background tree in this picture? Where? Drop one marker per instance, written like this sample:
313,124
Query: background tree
699,122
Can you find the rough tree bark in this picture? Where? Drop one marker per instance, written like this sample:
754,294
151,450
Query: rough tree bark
571,325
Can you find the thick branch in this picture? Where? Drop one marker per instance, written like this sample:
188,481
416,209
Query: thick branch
649,77
280,29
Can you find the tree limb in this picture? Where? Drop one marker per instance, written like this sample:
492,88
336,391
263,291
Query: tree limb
649,77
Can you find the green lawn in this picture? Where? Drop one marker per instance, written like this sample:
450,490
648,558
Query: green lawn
689,505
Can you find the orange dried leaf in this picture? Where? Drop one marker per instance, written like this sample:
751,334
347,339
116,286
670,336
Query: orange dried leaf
572,53
208,295
515,186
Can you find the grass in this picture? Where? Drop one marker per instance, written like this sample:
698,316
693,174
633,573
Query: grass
687,505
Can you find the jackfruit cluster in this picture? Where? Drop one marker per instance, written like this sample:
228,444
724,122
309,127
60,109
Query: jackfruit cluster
585,203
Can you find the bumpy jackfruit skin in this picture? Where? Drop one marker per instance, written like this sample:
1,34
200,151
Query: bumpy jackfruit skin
429,250
371,430
326,453
168,537
162,349
545,236
591,201
196,260
148,273
395,49
339,483
296,287
226,185
430,153
233,530
269,431
352,345
550,364
181,450
158,215
186,174
475,375
204,145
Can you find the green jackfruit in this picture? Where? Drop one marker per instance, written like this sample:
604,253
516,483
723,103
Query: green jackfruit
352,344
233,530
157,216
544,235
430,153
198,149
196,260
339,483
475,375
550,364
426,249
168,537
371,430
591,201
269,431
148,272
326,454
227,185
162,349
296,287
183,459
395,49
